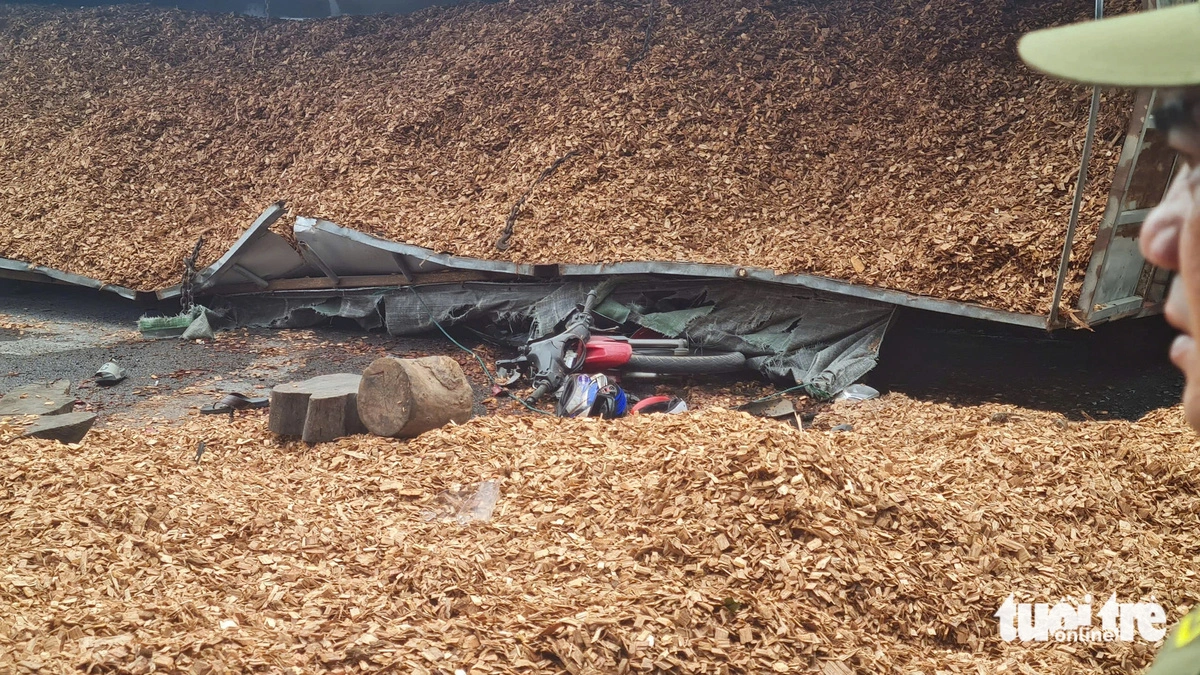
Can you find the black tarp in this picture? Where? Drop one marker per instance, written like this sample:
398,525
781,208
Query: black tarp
794,336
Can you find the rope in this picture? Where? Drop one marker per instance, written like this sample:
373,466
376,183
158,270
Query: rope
490,377
189,273
646,43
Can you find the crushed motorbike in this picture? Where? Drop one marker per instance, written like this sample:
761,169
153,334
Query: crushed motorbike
584,369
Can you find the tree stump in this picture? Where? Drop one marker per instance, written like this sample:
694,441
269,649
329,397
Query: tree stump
317,410
403,398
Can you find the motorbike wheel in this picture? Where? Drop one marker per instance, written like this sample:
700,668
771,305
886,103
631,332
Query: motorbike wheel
693,364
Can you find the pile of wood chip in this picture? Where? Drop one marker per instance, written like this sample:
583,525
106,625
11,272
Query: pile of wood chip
707,542
897,144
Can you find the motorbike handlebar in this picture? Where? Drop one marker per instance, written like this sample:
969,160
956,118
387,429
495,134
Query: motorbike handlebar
540,391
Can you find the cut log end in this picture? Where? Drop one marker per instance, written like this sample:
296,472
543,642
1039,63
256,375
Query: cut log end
385,396
403,398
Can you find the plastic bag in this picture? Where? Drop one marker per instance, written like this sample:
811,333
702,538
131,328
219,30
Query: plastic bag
464,506
199,328
857,392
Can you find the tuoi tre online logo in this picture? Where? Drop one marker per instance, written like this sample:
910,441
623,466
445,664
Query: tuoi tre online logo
1070,622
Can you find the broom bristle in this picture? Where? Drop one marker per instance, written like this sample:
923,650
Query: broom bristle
156,323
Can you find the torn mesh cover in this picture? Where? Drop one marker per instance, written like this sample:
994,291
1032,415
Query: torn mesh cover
513,308
278,311
794,336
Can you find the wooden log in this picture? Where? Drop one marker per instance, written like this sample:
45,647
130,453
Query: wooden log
318,409
403,398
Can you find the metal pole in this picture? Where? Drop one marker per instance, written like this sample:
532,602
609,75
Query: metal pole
1080,184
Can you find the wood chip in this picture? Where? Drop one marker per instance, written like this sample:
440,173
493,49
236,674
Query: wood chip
122,556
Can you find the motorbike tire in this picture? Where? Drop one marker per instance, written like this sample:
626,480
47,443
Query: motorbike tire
693,364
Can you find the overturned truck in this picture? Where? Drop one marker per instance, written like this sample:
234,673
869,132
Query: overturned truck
897,156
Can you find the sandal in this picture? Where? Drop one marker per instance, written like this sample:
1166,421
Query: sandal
110,374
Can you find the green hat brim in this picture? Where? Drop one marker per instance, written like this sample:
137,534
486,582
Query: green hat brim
1158,48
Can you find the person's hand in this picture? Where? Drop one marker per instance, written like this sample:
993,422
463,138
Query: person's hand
1159,239
1170,238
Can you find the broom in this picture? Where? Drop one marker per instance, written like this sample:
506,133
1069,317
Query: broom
168,326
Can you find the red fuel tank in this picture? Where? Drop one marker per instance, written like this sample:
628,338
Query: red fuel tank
606,354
